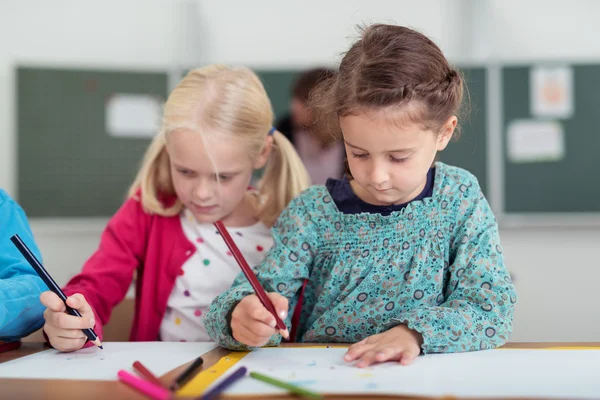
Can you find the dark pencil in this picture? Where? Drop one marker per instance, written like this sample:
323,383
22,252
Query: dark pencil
188,374
220,388
45,276
258,289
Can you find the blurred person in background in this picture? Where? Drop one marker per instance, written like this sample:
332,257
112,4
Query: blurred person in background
322,155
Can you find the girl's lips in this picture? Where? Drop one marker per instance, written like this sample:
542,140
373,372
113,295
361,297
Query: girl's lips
203,209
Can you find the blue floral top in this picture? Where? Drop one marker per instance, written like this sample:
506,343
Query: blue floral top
436,266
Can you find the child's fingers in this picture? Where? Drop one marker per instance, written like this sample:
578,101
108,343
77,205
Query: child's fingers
64,340
280,303
284,333
66,321
52,302
388,354
258,329
248,340
367,358
408,356
70,334
67,345
78,302
251,335
251,309
260,314
357,350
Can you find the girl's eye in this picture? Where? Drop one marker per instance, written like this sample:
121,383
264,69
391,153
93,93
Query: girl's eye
184,171
398,160
359,155
224,177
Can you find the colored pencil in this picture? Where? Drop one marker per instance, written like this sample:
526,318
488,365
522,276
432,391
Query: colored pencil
288,386
146,374
142,386
45,276
188,374
258,289
220,388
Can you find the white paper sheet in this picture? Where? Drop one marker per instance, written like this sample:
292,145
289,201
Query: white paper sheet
94,364
133,115
551,92
535,141
573,374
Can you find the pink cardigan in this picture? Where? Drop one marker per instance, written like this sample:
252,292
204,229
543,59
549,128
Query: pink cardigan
153,245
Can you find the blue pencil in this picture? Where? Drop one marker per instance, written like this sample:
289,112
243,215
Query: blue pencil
214,392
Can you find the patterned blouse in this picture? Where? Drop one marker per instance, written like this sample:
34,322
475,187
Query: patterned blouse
436,266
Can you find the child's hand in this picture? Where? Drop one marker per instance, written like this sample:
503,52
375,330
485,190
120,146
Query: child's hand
252,324
64,331
397,344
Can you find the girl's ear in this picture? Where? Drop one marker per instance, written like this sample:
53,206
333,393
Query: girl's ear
263,157
445,134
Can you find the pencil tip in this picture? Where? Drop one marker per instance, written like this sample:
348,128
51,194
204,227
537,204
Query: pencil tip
102,348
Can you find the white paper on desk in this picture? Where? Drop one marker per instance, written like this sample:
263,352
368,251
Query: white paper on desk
87,364
535,141
551,92
573,374
133,115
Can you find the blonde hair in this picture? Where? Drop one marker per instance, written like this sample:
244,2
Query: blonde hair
218,98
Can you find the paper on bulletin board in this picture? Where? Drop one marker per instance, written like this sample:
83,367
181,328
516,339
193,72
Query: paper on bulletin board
551,92
133,115
532,141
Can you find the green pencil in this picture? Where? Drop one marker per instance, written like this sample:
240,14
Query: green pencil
284,385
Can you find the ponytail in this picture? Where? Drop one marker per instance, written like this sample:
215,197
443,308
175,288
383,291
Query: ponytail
284,178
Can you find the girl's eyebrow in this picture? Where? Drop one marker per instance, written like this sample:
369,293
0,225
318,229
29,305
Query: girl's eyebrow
353,146
181,166
407,150
229,172
236,172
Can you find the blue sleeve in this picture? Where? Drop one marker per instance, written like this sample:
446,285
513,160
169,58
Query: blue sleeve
20,286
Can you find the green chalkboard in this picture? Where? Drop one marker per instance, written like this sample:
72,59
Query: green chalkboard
68,166
566,185
469,149
278,85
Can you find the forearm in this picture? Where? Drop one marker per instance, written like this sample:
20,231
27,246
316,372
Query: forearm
21,312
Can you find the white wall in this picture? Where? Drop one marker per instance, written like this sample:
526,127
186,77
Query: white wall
555,269
268,33
545,29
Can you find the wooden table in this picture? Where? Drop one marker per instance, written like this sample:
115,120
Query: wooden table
113,390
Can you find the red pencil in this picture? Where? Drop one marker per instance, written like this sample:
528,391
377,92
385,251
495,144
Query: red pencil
146,374
258,289
8,346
